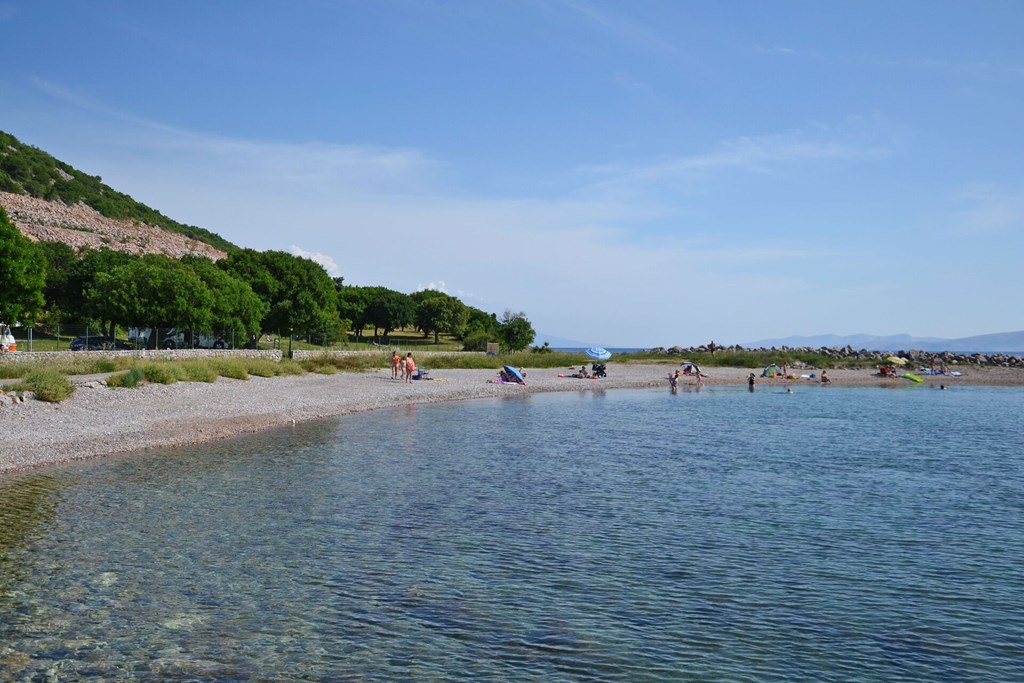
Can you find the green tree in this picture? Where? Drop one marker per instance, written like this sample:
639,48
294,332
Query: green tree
96,264
516,331
352,303
153,291
481,327
22,274
61,263
437,312
236,310
300,295
387,310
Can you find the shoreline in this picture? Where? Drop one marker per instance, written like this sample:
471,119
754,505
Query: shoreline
97,421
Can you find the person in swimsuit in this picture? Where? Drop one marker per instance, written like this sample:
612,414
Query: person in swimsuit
396,360
410,367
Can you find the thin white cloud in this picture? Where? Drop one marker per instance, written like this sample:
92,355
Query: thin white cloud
621,26
751,154
335,167
563,260
324,260
777,50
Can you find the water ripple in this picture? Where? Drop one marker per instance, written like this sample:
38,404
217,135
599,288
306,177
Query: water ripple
633,536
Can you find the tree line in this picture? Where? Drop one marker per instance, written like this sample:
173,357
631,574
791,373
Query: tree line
246,294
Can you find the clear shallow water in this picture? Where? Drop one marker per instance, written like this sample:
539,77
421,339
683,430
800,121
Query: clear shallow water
829,535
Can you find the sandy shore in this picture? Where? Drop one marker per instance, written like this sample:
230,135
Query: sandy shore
100,421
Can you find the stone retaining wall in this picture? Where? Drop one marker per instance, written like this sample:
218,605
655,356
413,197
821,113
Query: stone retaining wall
159,354
165,354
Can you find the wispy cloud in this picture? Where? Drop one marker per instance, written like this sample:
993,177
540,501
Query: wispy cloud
337,167
776,50
621,26
760,154
984,210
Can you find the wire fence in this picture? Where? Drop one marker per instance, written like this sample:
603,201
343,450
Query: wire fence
83,337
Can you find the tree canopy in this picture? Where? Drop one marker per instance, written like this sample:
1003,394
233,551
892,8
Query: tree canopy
154,291
301,297
436,312
22,274
387,309
246,293
516,331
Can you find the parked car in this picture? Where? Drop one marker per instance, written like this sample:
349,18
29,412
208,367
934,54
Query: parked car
173,338
99,343
191,339
7,341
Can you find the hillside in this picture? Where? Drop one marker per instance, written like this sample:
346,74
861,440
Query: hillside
68,195
82,226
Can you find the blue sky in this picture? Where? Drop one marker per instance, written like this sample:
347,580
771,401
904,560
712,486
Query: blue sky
626,173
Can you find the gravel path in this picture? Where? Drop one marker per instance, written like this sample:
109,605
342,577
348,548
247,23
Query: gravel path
97,420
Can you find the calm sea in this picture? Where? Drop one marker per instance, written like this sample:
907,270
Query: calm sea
833,534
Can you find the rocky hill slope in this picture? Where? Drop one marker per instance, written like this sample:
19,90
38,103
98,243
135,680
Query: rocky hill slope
82,226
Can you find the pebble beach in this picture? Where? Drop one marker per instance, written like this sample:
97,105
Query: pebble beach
98,421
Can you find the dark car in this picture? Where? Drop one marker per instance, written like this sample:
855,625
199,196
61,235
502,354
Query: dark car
99,343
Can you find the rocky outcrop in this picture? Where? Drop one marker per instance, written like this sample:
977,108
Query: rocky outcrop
82,226
840,354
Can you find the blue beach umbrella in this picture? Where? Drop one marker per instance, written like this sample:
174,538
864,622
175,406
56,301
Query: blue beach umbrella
514,374
597,353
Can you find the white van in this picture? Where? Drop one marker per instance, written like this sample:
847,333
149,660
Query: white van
7,342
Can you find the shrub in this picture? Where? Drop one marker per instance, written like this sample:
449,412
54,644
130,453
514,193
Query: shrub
159,373
197,372
289,367
231,368
476,341
127,380
322,368
262,368
47,385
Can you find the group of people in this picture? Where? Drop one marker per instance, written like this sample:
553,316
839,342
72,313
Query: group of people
402,368
505,376
751,379
674,377
596,370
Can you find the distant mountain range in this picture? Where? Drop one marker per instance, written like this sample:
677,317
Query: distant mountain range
1004,342
559,342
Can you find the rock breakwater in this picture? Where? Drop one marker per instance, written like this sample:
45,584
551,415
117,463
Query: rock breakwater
848,353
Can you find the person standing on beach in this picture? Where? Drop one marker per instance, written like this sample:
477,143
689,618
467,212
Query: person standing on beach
396,360
410,367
